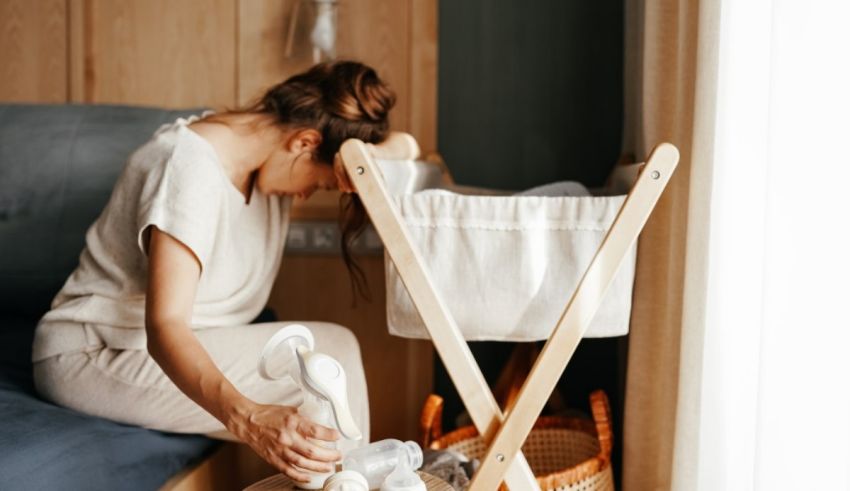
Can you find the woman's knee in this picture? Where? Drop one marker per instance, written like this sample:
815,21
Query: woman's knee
337,341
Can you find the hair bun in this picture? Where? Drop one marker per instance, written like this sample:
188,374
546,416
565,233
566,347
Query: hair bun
353,92
373,96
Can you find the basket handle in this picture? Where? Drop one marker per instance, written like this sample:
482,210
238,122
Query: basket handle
431,420
601,410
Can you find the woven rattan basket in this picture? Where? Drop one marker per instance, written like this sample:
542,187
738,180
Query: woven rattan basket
564,453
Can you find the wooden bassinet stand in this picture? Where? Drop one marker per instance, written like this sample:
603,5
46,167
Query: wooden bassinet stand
506,433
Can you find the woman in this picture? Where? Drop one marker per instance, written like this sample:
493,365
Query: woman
152,328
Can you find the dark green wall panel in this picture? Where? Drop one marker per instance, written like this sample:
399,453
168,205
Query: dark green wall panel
530,91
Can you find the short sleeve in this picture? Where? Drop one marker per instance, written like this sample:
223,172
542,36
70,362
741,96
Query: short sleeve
183,198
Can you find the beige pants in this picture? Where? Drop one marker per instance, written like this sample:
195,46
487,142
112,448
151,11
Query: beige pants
128,386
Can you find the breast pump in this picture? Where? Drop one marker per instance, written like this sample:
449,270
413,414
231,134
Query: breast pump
289,353
389,463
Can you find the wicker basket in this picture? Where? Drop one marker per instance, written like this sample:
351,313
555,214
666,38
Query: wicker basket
564,453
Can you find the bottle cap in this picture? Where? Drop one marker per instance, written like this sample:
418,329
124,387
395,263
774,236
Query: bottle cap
346,481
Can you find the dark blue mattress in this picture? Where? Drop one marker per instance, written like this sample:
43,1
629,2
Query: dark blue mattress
44,446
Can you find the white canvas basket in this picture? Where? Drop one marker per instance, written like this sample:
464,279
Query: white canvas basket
504,265
448,309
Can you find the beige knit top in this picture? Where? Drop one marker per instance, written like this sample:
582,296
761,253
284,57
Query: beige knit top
176,182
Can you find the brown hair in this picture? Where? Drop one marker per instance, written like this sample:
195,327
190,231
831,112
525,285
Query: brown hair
342,99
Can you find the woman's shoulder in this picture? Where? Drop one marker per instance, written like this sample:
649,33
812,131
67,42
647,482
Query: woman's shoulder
172,167
176,147
182,121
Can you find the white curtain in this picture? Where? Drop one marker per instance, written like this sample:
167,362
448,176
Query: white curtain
760,396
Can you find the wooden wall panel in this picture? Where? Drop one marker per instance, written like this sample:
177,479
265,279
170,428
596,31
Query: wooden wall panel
173,53
33,51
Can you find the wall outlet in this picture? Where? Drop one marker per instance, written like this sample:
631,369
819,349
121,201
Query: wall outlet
322,238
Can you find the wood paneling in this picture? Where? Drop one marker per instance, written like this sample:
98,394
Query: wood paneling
186,53
174,53
33,51
398,371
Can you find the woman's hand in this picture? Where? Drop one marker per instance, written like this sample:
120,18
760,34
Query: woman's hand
281,437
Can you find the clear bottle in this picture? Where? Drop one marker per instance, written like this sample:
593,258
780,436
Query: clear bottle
318,411
377,460
402,478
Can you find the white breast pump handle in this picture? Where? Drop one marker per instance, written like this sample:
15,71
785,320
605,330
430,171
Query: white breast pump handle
325,378
318,373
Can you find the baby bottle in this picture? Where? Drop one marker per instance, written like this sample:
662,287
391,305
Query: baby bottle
402,478
377,460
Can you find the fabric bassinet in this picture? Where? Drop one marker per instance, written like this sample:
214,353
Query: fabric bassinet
505,264
385,188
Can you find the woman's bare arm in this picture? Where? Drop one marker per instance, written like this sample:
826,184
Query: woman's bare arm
173,275
277,433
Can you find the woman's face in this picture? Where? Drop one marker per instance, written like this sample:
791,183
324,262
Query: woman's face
293,171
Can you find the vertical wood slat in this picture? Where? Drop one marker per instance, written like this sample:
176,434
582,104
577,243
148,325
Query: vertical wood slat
237,41
423,73
33,45
77,52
